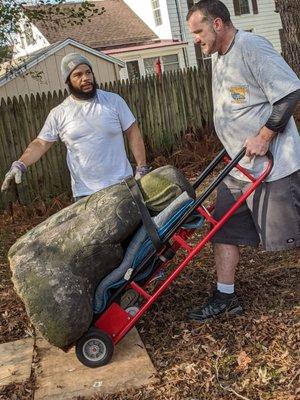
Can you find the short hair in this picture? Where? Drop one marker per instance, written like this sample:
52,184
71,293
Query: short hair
211,9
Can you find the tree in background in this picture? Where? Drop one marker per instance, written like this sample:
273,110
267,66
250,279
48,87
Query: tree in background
289,13
15,13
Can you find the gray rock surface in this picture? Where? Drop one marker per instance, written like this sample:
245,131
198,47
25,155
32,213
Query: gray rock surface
58,264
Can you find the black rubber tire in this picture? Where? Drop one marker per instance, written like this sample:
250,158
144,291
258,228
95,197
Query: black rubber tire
95,348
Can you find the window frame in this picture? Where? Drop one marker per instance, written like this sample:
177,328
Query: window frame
145,69
156,12
170,63
238,11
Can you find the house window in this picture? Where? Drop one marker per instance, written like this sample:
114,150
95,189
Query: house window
156,12
241,7
244,6
149,64
133,70
170,63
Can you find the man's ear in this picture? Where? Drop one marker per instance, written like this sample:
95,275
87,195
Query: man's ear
217,24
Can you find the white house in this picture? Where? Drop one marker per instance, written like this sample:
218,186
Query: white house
29,40
118,32
167,18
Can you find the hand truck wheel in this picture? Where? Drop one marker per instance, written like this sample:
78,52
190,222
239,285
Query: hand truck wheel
95,348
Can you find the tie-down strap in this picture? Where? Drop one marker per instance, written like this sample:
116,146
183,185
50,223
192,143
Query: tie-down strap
148,223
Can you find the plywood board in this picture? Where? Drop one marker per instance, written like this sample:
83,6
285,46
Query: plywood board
63,377
15,361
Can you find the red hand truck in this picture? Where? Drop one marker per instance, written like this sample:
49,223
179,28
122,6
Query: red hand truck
95,348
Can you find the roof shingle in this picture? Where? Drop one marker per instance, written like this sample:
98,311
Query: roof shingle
118,26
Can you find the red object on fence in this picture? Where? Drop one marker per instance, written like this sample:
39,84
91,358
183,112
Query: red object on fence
158,68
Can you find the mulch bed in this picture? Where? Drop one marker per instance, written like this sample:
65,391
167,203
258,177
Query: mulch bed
254,356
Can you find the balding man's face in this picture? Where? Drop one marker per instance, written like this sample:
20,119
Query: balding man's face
204,33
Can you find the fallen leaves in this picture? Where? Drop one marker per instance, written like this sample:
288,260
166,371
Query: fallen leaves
256,355
243,361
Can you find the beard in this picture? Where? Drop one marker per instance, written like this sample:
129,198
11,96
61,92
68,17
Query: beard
80,94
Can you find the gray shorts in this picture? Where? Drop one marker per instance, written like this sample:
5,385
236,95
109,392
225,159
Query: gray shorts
270,216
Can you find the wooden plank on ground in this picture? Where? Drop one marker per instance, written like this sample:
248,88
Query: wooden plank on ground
15,361
63,377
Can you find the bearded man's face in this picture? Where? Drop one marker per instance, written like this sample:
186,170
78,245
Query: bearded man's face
82,83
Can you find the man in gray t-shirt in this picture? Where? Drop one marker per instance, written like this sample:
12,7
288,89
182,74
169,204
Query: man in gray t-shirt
255,93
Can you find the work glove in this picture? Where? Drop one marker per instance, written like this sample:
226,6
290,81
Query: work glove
16,170
141,171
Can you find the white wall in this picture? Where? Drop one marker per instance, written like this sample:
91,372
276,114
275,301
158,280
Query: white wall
143,9
170,28
39,41
148,53
266,23
180,31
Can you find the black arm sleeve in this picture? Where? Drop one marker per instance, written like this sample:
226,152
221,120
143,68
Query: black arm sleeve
282,112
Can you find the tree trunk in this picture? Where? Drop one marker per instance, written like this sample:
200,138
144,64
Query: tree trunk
289,13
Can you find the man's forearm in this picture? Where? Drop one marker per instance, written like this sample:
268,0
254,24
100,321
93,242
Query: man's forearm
34,151
266,134
136,144
282,112
258,145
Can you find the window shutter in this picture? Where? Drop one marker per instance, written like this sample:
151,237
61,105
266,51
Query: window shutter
254,7
236,7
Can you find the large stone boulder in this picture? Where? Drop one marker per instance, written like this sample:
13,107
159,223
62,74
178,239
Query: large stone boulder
57,266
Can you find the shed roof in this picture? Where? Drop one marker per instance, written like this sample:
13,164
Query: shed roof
8,71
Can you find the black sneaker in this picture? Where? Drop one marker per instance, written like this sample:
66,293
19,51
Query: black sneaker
218,304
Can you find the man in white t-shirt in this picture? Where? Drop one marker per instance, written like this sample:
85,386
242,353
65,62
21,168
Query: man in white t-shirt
91,123
254,93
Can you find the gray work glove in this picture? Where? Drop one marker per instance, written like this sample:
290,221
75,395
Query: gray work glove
16,170
141,171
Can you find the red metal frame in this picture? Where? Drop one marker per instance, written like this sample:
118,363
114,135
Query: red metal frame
116,321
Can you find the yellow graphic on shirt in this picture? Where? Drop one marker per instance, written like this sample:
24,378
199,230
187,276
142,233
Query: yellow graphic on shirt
239,94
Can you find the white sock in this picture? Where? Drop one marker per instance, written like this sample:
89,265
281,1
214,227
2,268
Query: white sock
225,288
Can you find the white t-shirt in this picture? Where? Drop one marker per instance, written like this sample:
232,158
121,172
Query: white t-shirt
247,81
92,131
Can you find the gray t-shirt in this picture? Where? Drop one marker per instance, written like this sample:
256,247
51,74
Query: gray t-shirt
247,81
92,131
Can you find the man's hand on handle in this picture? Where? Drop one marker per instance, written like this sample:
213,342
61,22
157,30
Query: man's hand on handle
259,145
16,170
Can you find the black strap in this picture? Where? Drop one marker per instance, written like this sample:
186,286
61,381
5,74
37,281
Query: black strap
143,210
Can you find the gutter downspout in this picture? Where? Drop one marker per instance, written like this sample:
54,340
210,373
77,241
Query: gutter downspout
181,30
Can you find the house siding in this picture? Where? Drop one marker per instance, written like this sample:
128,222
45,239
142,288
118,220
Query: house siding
179,28
143,9
170,28
266,23
105,71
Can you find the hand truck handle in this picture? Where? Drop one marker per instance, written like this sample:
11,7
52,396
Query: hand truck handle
230,166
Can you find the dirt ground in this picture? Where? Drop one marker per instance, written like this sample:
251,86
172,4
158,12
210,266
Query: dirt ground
254,356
